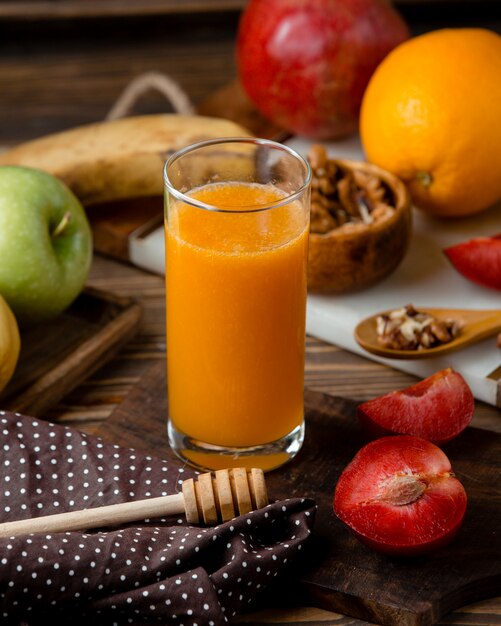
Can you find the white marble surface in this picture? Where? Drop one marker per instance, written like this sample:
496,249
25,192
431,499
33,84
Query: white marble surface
424,278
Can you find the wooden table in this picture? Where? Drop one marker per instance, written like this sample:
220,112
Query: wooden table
328,369
70,72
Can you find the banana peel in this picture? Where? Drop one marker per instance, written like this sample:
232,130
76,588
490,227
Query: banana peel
120,159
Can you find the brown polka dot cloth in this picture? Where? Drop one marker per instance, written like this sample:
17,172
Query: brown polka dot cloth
160,571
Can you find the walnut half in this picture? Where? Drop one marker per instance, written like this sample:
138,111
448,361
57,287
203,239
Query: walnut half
343,195
409,329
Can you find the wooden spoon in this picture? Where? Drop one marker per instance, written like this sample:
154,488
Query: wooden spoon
477,325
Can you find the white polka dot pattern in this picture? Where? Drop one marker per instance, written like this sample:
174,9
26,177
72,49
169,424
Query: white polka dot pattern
157,572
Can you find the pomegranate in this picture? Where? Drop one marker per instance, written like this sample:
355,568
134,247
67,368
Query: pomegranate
305,64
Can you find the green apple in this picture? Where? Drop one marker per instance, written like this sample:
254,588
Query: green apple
45,244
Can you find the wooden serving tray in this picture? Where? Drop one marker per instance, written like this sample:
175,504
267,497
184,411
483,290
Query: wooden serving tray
57,356
338,572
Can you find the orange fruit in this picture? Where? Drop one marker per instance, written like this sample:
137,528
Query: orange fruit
431,115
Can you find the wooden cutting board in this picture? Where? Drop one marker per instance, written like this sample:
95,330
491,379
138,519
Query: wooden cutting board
339,573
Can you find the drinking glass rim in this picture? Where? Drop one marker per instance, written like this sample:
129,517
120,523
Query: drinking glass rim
179,195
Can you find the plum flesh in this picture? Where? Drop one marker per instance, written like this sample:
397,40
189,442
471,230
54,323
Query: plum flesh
437,409
400,497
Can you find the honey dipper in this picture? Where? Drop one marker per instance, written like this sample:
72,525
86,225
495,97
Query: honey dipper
210,499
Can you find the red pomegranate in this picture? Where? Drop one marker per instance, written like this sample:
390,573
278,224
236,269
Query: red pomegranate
305,63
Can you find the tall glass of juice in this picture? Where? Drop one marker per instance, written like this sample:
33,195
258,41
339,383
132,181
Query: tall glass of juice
236,230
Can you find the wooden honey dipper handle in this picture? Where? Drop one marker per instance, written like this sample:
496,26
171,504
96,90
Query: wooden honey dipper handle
209,499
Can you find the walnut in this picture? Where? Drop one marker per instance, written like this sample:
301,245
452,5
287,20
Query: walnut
342,195
410,329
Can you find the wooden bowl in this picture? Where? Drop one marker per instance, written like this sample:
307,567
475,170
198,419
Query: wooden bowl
355,256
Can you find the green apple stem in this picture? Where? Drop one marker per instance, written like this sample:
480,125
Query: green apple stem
61,227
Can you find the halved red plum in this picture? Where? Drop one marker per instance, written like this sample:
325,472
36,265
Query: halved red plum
478,260
399,496
437,409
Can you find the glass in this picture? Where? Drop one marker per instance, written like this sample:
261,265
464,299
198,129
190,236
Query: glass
236,225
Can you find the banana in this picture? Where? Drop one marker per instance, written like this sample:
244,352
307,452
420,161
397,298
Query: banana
118,159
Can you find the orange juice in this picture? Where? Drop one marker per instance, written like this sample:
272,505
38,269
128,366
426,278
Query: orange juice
236,293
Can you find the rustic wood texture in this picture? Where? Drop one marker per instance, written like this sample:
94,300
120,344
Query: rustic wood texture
75,9
56,357
231,102
328,369
64,73
112,223
339,573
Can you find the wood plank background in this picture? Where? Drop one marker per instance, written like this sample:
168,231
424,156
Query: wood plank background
59,73
75,9
62,73
71,9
